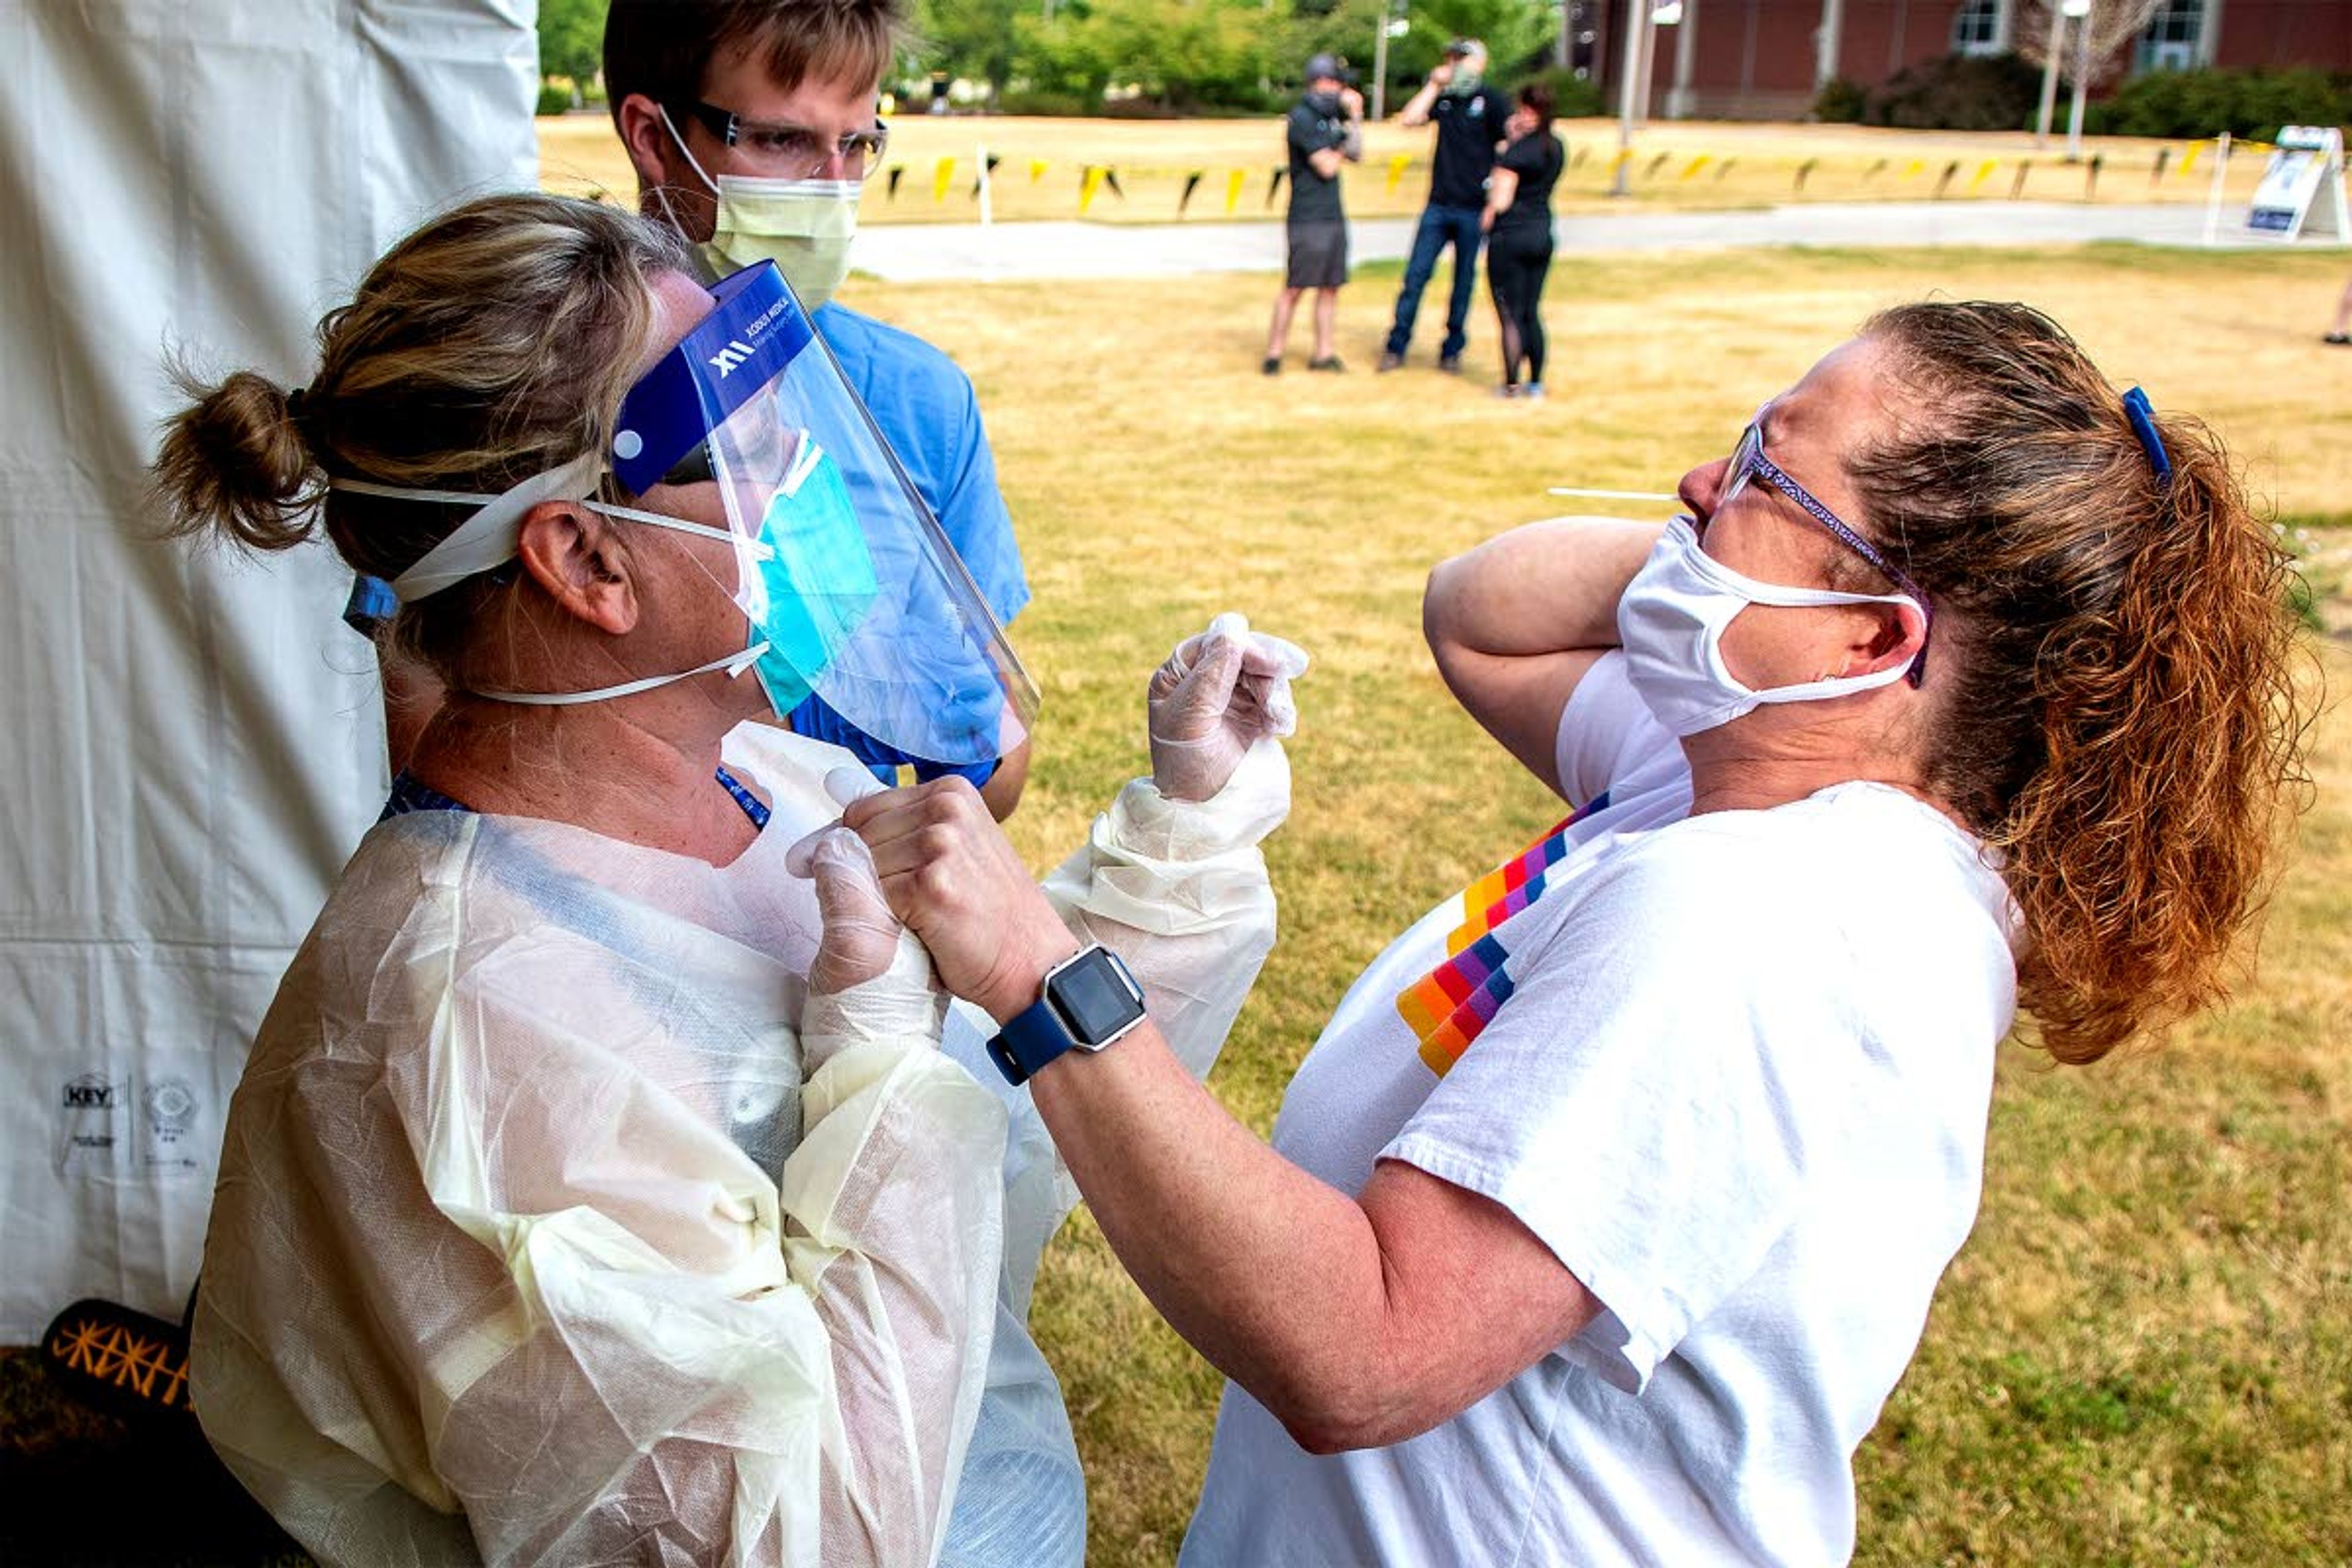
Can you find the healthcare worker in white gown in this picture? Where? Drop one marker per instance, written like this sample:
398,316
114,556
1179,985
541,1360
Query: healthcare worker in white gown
578,1204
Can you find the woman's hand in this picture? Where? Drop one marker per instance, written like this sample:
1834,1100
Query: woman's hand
1219,693
947,871
861,935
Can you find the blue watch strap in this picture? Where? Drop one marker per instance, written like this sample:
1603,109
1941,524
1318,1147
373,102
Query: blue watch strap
1030,1039
1087,1001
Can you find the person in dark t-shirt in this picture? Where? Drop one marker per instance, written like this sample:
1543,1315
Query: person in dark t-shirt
1469,116
1518,221
1325,128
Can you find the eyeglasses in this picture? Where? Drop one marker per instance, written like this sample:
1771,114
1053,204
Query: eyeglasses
783,150
1749,462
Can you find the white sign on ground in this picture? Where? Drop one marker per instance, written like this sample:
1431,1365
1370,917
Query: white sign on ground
2306,170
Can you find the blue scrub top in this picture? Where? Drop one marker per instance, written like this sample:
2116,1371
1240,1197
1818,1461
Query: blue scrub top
926,409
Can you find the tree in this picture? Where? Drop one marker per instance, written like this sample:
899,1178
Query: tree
1183,54
572,39
2113,25
972,39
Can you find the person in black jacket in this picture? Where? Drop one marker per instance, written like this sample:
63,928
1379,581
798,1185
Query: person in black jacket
1469,116
1326,127
1518,221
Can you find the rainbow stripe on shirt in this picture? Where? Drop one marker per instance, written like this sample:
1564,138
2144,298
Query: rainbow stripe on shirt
1450,1007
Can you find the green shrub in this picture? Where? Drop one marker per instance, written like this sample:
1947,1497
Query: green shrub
1841,101
1573,97
554,99
1044,103
1957,92
2248,103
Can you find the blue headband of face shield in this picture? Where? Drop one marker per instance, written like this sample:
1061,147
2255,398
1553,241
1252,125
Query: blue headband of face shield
749,340
852,591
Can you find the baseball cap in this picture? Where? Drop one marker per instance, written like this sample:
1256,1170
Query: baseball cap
1332,66
1461,47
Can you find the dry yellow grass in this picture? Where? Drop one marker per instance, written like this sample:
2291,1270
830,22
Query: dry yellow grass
2144,1355
1746,166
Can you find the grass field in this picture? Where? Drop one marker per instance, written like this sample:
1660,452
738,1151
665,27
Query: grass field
1041,164
2144,1355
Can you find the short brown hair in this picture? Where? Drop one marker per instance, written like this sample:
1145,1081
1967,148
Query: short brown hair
2127,724
663,49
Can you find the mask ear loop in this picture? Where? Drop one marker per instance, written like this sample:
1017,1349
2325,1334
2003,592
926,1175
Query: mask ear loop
691,160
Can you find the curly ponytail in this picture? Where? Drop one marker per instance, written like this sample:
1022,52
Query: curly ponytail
2127,725
235,466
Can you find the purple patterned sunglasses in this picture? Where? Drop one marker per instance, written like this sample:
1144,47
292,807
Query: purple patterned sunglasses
1749,462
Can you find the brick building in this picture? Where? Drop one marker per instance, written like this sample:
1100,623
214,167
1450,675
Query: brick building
1753,59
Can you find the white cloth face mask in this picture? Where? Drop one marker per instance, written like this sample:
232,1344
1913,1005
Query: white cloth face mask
805,226
1671,622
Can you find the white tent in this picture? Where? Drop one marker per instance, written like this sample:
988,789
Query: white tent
189,745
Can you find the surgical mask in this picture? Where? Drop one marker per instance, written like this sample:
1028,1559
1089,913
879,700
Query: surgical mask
1466,79
1671,622
805,226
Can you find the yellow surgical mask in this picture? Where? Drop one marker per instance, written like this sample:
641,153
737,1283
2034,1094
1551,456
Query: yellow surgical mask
805,226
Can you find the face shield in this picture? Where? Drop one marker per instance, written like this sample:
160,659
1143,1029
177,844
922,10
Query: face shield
850,589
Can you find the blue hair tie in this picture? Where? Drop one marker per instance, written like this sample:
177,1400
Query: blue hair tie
2143,424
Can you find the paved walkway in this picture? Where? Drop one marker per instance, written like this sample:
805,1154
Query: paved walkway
919,252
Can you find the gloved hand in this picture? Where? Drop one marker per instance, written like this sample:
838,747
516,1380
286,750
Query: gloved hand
871,979
1218,694
861,936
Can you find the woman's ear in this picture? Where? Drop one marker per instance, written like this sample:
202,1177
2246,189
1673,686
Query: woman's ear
1894,634
577,557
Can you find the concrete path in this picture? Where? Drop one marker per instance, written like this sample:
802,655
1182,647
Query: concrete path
920,252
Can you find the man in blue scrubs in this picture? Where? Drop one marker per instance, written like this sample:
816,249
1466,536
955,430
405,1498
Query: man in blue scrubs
752,128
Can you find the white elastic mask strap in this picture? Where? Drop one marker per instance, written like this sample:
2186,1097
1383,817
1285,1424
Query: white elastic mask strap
490,536
1737,585
734,664
687,154
757,548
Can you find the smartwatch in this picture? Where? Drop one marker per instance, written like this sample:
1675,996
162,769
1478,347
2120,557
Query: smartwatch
1089,1000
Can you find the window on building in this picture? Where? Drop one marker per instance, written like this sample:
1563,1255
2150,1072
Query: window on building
1977,28
2174,38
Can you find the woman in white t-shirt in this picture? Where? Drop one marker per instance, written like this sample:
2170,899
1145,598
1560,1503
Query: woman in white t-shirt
1606,1212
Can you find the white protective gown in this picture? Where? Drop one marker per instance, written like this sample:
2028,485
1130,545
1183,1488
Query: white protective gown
556,1226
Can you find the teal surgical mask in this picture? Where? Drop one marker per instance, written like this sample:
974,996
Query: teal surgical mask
806,594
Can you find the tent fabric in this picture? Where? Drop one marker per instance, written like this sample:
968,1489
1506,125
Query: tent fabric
194,742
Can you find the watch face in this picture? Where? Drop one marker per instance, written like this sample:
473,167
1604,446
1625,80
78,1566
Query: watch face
1096,997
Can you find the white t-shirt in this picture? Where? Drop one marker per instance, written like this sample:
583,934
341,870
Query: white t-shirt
1737,1081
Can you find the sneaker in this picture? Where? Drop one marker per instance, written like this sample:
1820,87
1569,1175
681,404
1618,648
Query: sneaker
1509,389
1390,360
1329,362
2341,340
1533,389
1450,364
1272,367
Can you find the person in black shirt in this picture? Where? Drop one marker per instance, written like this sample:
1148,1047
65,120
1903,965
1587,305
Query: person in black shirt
1518,221
1469,116
1326,127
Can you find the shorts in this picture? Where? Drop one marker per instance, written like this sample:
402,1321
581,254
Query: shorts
1318,255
